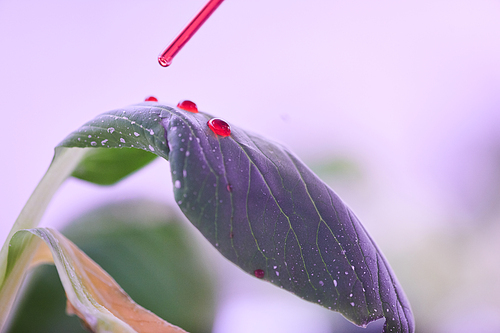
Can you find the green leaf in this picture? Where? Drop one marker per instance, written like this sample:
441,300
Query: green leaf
92,294
137,127
117,130
263,209
147,250
119,164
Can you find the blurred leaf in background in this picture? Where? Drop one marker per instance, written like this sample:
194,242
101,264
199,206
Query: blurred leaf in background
336,169
147,250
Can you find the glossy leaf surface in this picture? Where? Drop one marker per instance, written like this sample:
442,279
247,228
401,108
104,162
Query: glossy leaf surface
117,130
263,209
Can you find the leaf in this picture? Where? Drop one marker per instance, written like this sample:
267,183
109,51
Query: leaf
263,209
92,294
119,164
117,130
147,250
135,127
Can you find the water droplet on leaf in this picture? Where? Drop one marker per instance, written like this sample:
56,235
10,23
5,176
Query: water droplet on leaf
219,127
188,106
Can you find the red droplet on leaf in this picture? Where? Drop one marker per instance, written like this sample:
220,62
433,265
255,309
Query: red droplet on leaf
151,99
259,273
188,106
229,188
231,234
219,127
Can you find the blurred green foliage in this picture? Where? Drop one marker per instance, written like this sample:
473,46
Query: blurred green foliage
147,250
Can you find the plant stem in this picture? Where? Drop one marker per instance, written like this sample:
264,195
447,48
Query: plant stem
62,166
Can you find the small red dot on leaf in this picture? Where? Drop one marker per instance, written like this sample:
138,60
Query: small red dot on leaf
259,273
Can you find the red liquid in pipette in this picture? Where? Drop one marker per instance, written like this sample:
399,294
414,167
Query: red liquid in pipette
165,59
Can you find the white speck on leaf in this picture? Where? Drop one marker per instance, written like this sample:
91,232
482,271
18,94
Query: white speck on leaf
335,283
103,142
136,134
122,140
177,184
110,130
151,148
93,143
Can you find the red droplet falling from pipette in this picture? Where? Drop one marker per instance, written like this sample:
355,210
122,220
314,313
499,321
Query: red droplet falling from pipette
165,58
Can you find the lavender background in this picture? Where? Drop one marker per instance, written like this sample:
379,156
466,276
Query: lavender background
408,93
